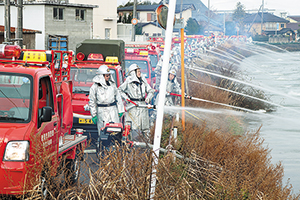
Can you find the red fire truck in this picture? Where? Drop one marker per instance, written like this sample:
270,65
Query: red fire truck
82,74
141,58
152,48
154,54
36,119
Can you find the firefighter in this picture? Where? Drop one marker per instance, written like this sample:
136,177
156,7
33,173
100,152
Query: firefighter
135,89
105,101
170,100
172,87
158,69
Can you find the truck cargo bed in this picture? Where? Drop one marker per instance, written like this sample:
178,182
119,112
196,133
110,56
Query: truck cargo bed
70,141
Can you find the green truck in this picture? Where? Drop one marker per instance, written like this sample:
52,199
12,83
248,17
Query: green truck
104,47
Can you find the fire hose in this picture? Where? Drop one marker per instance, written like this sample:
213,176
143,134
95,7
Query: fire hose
177,95
149,106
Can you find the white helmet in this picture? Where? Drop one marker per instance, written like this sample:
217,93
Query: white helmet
133,67
172,71
103,69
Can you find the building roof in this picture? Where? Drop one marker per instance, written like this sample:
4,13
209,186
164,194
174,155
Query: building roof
267,17
200,13
13,30
295,17
152,8
293,26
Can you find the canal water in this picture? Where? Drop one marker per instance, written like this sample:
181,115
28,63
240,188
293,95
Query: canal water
279,73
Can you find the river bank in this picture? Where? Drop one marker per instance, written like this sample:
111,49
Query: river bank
295,46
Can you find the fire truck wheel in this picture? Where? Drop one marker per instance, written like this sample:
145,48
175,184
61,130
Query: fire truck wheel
73,169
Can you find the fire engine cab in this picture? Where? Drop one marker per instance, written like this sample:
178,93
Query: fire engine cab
141,58
35,119
152,48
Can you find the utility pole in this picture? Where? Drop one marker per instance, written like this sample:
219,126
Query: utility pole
208,15
262,17
224,23
182,70
19,34
162,95
133,16
7,21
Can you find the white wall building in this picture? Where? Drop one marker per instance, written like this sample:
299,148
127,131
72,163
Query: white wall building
104,18
56,20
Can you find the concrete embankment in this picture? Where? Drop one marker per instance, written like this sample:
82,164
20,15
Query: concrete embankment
295,46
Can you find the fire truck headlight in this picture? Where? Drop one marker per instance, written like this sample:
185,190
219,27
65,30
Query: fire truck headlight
16,151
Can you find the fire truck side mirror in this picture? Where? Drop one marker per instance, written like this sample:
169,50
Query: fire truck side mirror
46,114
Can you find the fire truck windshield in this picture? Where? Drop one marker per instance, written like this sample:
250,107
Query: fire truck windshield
82,78
141,63
15,98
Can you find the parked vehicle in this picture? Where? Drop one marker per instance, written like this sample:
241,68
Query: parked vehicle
90,56
36,119
108,48
141,58
151,48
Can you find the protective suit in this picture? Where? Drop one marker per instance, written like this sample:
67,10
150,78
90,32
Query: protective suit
105,101
136,89
172,87
157,71
170,100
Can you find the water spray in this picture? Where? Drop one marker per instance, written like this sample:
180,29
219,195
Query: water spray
245,95
243,82
213,102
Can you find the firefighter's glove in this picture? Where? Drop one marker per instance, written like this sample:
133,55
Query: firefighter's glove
95,119
188,97
149,106
120,115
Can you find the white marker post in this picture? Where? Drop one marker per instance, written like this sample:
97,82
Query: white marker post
162,94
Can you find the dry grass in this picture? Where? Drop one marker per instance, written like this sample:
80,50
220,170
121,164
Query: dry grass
216,166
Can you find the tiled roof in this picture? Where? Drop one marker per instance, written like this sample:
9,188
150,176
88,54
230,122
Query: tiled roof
294,26
13,30
267,17
295,17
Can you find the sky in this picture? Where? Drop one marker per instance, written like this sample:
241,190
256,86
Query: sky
289,6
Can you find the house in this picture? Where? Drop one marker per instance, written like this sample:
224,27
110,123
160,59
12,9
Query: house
200,14
264,22
28,36
146,15
154,29
294,24
62,25
294,18
104,18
